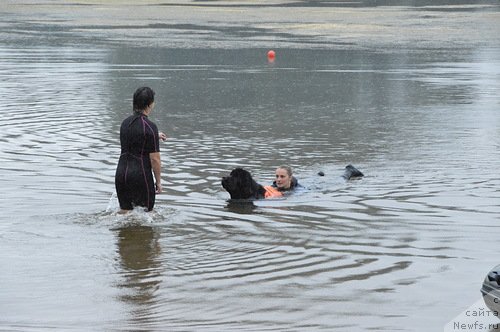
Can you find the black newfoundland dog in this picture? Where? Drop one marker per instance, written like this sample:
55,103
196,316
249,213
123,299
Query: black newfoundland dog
240,184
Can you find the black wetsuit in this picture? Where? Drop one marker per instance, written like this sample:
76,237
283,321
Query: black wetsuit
134,178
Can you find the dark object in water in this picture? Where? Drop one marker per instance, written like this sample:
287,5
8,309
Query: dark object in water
351,172
241,185
491,290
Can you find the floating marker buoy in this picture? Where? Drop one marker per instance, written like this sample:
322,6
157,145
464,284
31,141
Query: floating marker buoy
271,55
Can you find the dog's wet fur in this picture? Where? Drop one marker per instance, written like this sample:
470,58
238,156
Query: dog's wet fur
241,185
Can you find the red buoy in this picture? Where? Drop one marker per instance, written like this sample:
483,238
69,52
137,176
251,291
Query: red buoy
271,55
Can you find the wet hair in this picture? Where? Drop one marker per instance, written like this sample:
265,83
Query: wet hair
288,169
143,97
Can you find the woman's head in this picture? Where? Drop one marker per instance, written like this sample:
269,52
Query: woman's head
284,177
143,98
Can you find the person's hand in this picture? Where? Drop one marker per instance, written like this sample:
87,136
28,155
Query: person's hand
159,189
162,136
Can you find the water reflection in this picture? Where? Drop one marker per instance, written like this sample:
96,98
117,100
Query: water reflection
240,206
139,253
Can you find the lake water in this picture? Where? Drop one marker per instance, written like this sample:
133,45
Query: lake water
408,94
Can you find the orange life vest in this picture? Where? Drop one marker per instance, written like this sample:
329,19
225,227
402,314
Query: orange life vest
272,192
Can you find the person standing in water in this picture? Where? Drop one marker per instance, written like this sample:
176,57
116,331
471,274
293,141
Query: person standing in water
140,156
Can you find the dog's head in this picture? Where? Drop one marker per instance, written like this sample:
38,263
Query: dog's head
240,185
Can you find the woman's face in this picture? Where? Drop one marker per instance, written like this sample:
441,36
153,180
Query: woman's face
283,180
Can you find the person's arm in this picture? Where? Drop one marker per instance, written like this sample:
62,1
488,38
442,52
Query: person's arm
156,165
162,136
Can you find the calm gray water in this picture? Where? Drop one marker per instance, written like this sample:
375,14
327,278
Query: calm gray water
409,94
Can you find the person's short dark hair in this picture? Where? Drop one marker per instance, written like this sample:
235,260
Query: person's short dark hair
143,97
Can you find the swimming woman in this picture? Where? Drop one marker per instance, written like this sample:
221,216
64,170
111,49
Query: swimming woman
285,181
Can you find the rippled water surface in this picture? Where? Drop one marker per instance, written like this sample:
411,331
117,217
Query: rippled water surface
403,249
